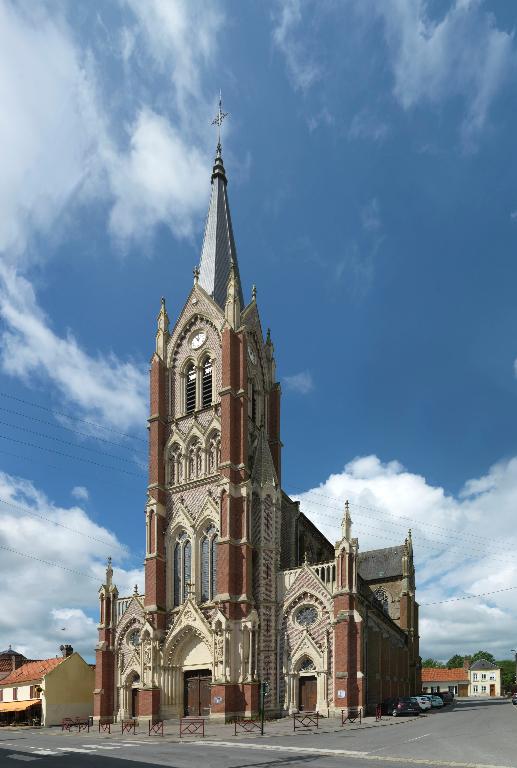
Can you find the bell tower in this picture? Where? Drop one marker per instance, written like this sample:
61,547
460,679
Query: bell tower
213,508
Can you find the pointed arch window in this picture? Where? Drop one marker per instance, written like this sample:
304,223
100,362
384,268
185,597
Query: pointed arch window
209,564
190,388
381,595
206,386
182,568
252,401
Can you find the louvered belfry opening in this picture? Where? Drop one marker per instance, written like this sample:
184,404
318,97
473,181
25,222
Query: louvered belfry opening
190,389
206,394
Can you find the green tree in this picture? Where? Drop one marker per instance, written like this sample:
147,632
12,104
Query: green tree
455,661
507,674
482,655
432,663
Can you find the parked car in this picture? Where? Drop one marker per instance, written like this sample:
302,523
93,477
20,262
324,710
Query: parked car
514,698
422,701
446,696
400,705
436,701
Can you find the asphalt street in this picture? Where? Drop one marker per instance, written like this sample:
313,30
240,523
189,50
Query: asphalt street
474,733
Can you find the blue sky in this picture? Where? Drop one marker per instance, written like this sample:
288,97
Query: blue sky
372,186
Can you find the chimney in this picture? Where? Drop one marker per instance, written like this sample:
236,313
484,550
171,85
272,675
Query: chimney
466,663
66,650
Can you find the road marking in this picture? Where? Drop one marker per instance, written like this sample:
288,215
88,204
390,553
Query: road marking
26,758
100,746
418,737
74,749
348,753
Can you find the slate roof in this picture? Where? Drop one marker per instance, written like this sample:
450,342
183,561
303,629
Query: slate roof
483,664
10,652
218,252
432,675
31,671
380,563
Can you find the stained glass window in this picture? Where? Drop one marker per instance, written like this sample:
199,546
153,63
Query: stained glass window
307,615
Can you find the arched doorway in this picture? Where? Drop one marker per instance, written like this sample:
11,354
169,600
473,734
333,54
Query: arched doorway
189,677
132,689
307,686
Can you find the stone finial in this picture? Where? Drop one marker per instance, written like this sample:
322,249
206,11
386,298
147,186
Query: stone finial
196,275
268,336
232,309
346,523
306,558
109,573
135,591
253,292
162,333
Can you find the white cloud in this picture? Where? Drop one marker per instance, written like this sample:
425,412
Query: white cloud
44,606
160,179
371,216
58,138
463,544
50,129
365,125
301,383
301,65
80,492
102,387
464,54
181,38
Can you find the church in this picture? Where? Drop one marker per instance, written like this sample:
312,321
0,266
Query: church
240,586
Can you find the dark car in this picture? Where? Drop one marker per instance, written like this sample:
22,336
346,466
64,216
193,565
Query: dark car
446,696
514,698
400,705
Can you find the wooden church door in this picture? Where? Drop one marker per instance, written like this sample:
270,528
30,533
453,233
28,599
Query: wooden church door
307,694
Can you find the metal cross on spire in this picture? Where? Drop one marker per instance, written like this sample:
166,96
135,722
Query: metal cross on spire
218,119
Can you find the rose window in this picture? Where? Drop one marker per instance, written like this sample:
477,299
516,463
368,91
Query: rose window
307,615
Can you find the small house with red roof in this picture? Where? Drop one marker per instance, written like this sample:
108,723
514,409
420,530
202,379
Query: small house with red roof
456,680
48,690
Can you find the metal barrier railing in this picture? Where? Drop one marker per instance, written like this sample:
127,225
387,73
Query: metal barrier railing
305,720
248,726
129,726
192,726
351,715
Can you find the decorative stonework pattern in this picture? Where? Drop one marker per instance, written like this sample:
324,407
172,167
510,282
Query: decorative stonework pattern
194,501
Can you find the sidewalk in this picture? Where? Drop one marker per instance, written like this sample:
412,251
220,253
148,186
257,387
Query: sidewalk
217,731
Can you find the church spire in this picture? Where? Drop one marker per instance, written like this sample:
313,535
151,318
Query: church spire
218,254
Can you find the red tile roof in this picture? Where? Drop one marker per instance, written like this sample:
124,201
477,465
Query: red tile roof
31,671
432,675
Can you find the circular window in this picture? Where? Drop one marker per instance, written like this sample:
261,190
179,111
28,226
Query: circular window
134,637
307,615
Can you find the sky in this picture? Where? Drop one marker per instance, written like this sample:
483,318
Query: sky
370,156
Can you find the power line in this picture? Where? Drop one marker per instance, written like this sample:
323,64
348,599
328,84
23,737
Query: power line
402,517
436,541
73,418
49,562
70,456
66,442
468,597
56,425
28,511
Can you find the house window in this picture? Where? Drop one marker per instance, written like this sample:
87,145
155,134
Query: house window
206,394
209,564
474,675
15,694
483,689
483,676
190,389
492,677
182,569
475,689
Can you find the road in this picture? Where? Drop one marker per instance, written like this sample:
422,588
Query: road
475,733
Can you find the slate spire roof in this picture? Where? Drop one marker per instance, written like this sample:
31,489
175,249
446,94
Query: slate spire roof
218,252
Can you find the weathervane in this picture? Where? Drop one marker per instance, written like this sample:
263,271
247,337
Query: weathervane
218,119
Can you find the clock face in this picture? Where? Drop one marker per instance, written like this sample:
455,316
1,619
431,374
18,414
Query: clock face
251,355
198,340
